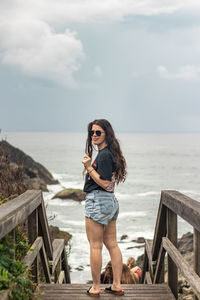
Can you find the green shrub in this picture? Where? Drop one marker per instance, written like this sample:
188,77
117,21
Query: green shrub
13,273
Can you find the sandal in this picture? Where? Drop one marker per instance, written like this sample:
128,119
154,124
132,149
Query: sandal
92,294
110,290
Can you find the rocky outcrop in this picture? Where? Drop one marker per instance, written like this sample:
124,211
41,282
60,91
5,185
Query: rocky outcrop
73,194
36,176
123,237
56,233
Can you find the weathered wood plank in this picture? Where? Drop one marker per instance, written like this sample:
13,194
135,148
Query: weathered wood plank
33,226
129,287
61,278
148,244
12,245
132,291
160,229
33,252
5,295
58,246
196,246
183,206
44,230
65,266
160,264
32,236
45,264
145,267
172,236
16,211
183,265
148,278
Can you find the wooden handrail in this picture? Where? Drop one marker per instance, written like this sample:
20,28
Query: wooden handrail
183,206
173,204
14,212
183,265
30,206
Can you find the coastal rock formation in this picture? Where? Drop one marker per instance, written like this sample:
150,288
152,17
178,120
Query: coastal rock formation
74,194
139,240
123,237
35,176
56,233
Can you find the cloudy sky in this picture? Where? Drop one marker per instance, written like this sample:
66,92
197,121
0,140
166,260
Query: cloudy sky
135,62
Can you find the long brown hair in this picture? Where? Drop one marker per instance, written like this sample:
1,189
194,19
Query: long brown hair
113,146
131,263
126,277
107,274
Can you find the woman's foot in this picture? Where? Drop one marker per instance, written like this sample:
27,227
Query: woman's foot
114,290
117,287
93,292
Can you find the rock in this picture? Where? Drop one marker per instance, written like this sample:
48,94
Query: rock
187,290
139,261
36,176
139,240
56,233
80,268
123,237
185,243
74,194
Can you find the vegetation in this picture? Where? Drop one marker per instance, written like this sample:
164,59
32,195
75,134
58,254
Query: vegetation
13,273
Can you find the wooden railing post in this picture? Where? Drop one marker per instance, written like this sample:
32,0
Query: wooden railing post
196,246
12,235
32,236
65,266
172,236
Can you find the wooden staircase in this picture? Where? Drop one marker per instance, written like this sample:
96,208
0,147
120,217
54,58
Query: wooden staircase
30,207
132,291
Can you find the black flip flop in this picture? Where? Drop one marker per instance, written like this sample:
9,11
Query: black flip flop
111,291
92,294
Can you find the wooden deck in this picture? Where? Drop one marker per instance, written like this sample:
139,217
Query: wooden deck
78,291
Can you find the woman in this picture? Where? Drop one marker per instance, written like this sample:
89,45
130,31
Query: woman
107,275
136,272
101,205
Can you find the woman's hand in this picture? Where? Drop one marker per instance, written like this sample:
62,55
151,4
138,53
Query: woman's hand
87,161
95,176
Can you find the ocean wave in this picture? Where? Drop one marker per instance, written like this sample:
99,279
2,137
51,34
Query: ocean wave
72,222
146,194
190,193
60,202
123,196
132,214
145,234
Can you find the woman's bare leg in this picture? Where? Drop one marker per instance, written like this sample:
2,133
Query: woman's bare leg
110,241
94,233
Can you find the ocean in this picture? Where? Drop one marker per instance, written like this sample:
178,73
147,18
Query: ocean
155,162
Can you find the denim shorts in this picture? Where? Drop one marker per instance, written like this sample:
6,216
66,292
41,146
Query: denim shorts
101,206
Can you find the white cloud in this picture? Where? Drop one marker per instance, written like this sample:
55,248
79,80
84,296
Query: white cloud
98,71
37,50
92,10
186,72
30,42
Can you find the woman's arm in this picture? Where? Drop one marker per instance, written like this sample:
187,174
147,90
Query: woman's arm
95,176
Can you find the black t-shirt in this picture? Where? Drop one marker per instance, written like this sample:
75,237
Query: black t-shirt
104,164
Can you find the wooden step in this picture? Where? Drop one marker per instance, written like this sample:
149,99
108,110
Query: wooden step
78,291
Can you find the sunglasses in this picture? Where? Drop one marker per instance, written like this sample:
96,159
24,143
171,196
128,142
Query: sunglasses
98,132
